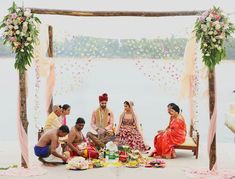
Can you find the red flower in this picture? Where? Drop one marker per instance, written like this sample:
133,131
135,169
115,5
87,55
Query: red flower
217,17
22,19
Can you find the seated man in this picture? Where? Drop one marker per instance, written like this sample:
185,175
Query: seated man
76,138
49,142
101,124
53,120
77,144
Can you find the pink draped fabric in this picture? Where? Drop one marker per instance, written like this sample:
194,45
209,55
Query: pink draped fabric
23,138
32,171
206,174
212,128
50,85
212,131
187,79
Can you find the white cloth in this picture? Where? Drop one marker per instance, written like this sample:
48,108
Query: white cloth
230,122
53,158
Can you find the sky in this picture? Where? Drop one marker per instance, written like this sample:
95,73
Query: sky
122,27
150,5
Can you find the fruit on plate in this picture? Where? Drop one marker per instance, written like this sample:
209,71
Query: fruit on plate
85,154
97,163
123,156
132,163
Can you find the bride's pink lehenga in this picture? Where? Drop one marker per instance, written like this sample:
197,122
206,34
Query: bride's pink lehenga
130,135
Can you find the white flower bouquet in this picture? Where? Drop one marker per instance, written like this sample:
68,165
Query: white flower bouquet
212,28
20,32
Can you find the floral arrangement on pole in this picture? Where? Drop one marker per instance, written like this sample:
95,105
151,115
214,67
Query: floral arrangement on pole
20,32
212,28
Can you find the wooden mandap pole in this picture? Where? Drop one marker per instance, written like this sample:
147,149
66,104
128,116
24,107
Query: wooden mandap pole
50,54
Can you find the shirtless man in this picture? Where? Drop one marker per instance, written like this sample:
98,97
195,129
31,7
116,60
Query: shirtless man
49,142
76,141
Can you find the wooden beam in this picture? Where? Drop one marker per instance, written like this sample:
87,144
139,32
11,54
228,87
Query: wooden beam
114,13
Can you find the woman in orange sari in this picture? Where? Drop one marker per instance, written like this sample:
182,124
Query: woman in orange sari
174,134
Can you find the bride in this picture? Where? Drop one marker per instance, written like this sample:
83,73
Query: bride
129,131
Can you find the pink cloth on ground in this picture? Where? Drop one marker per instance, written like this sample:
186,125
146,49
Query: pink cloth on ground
32,171
207,174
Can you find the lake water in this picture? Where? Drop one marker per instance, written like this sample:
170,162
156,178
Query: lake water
80,82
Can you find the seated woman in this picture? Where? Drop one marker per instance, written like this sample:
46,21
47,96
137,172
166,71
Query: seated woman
128,131
174,134
65,111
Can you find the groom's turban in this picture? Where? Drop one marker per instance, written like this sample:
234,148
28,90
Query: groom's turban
104,97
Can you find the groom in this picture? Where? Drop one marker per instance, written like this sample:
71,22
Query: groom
102,124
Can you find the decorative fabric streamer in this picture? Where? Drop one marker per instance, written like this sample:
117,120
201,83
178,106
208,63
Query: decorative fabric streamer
214,173
212,130
189,64
23,138
187,80
40,51
42,65
46,67
50,85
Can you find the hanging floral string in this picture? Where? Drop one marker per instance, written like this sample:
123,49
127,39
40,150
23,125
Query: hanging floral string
36,94
212,28
20,32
